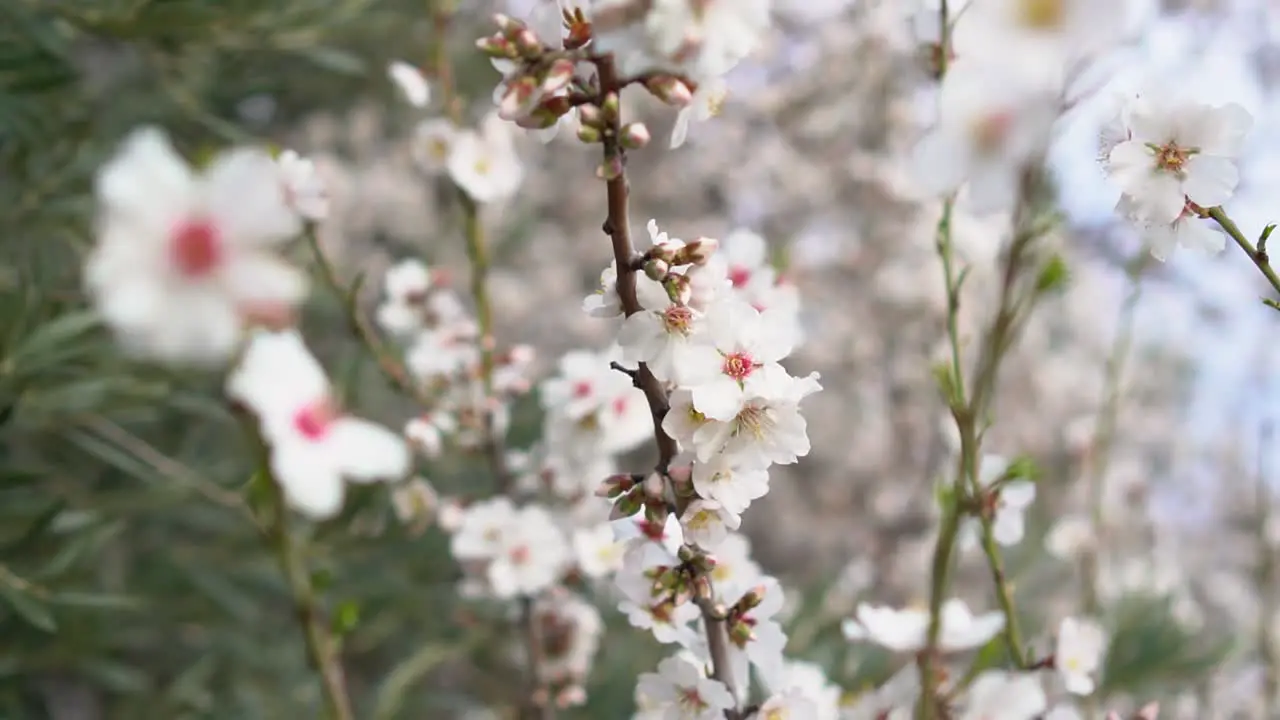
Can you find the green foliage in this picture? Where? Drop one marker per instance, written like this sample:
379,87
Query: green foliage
1149,649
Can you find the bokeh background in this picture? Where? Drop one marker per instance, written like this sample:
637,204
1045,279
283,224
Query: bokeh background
132,587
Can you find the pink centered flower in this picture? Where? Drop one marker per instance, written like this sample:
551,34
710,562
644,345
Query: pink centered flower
196,248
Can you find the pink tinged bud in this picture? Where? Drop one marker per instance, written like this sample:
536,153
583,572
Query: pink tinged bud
611,107
506,23
591,116
558,76
615,485
698,252
497,47
589,134
702,588
527,42
653,488
610,168
635,136
656,269
521,96
670,90
539,119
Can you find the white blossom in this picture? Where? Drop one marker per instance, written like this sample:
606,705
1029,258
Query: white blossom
907,630
1080,647
998,695
184,261
685,693
411,83
484,163
314,446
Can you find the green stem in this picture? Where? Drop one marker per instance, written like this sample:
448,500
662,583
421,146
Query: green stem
1259,257
967,412
536,704
322,650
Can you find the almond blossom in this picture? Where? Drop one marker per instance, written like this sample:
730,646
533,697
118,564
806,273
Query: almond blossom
989,124
314,446
907,630
686,694
304,190
484,162
998,695
531,555
411,83
184,260
1080,647
731,486
1178,150
756,638
741,360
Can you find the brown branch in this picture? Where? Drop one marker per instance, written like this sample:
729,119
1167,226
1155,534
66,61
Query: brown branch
617,227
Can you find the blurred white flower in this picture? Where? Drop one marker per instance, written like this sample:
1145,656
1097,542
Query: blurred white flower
531,556
707,103
597,551
432,143
707,523
484,163
789,705
411,83
1079,651
907,630
989,125
1069,536
998,695
705,38
183,260
1011,501
314,446
304,189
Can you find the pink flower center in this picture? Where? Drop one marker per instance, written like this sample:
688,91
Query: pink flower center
739,276
314,420
520,555
738,366
196,248
620,405
582,389
690,699
678,319
990,131
1171,157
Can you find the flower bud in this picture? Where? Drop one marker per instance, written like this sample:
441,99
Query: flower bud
591,116
611,107
558,76
497,47
741,633
527,42
610,168
635,136
656,269
520,98
678,288
697,252
702,588
753,598
627,505
670,90
589,134
614,485
506,24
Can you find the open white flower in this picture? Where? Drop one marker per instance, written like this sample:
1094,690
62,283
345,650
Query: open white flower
707,523
734,487
1178,150
598,552
989,125
998,695
789,705
663,334
314,447
707,103
484,163
432,144
680,687
531,555
740,361
1188,230
184,260
907,630
705,38
480,528
1081,644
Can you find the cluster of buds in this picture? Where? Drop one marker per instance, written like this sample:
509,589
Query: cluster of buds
675,585
738,618
538,77
631,494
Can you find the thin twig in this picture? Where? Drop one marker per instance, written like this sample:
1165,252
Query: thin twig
537,703
393,369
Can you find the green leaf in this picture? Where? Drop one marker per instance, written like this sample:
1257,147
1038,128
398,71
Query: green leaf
1053,276
28,608
346,617
335,60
